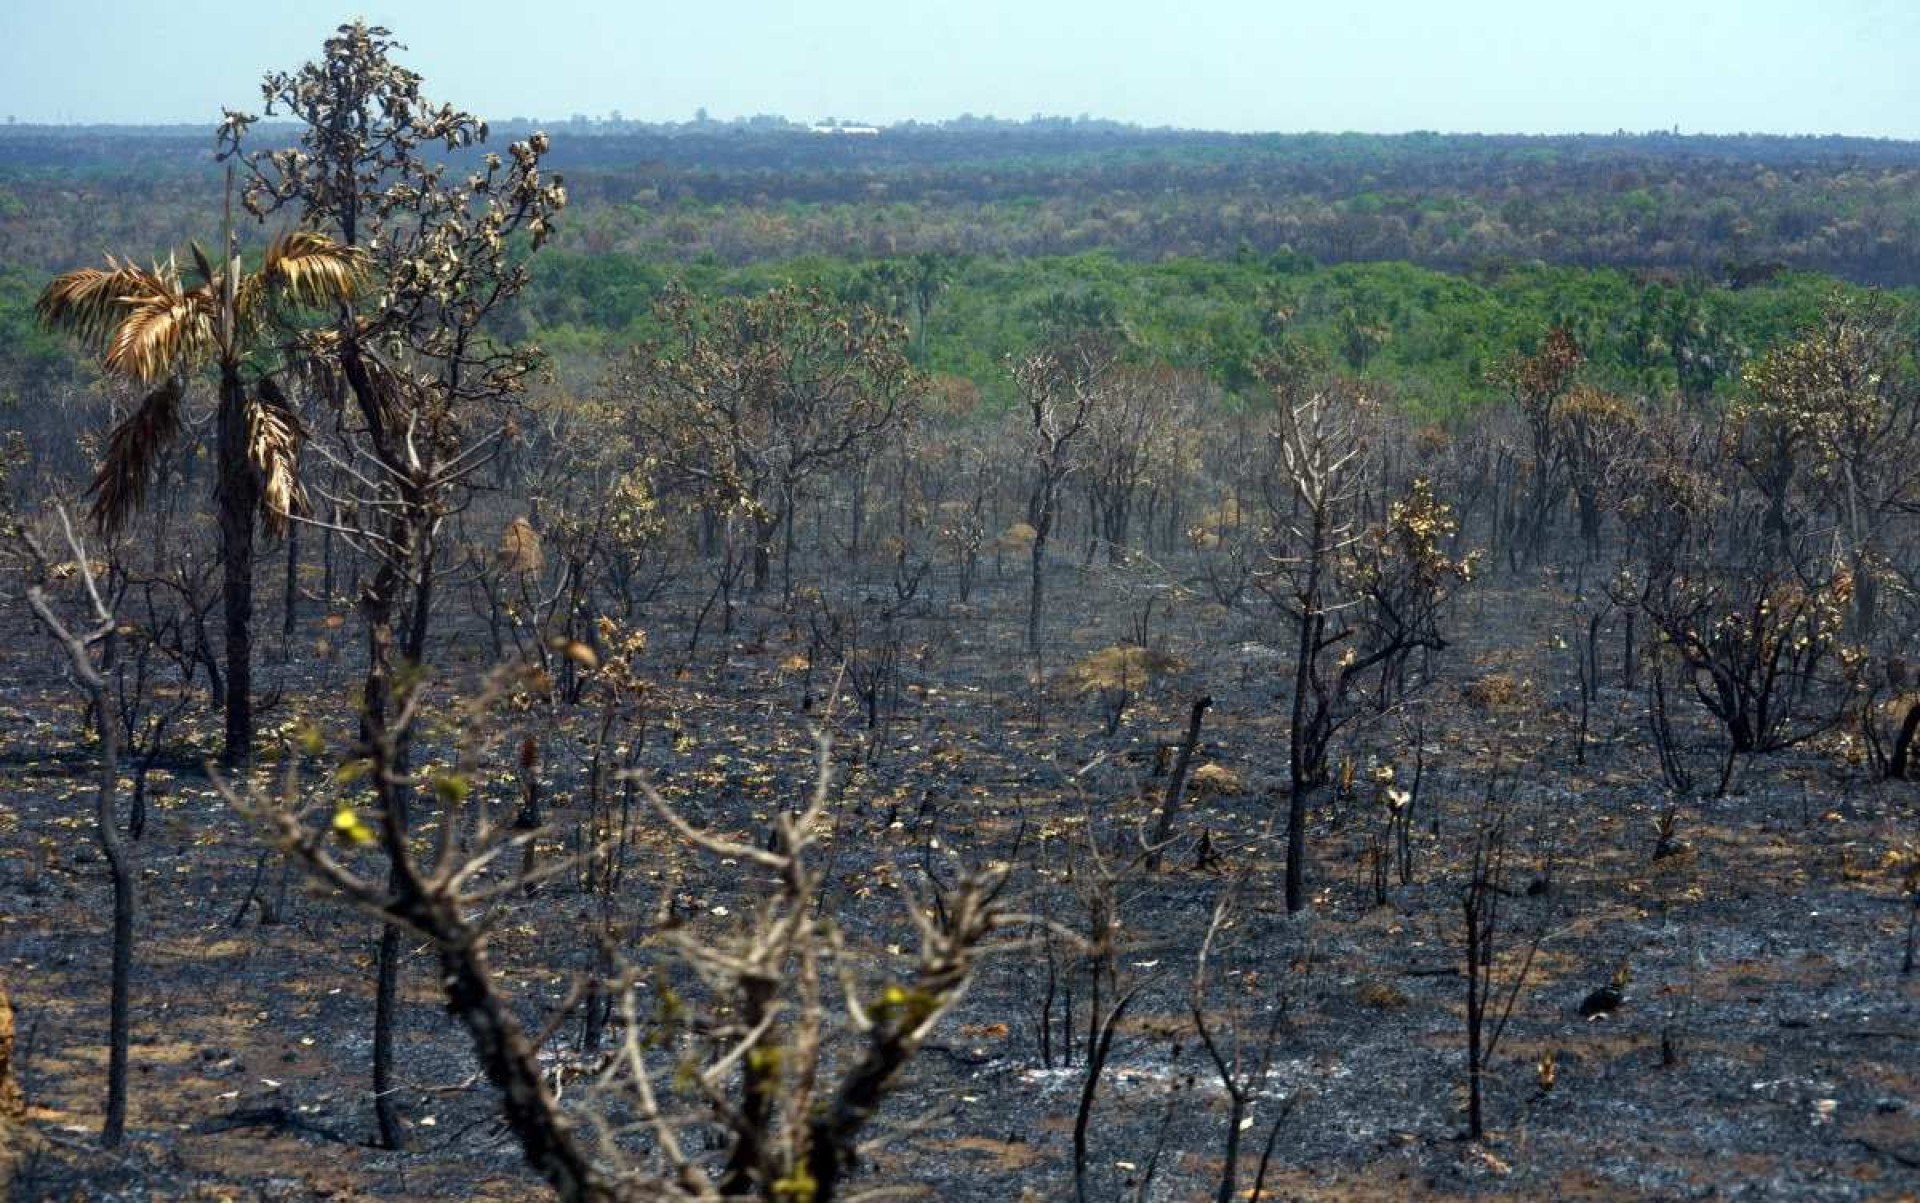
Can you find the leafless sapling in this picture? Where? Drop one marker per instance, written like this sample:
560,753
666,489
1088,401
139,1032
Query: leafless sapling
81,647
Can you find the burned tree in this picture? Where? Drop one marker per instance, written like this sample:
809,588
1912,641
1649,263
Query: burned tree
81,646
422,383
1536,480
748,399
1357,601
1759,644
159,328
1135,447
741,1035
1061,386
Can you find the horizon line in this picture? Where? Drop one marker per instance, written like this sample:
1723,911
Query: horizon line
780,123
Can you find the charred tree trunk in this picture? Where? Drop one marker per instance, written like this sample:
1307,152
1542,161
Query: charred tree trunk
1901,764
238,499
119,856
290,603
377,704
1163,830
1306,747
1036,593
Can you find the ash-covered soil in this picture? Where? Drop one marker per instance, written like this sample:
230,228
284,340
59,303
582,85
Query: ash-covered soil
1768,1046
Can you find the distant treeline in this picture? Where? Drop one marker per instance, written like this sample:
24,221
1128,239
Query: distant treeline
1734,207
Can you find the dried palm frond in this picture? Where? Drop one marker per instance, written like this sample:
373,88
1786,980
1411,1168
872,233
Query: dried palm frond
162,333
311,269
91,302
274,436
120,487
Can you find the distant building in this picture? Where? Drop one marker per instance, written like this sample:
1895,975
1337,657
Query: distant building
849,130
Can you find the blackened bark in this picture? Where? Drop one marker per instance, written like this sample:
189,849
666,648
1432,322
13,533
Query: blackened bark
1901,766
238,499
1163,830
290,603
120,863
512,1065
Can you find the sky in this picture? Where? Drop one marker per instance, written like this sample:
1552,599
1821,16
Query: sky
1492,66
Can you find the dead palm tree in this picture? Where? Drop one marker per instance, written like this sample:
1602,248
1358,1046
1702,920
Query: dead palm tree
158,328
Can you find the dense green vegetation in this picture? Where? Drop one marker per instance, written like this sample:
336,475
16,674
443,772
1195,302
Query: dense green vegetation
1432,335
28,352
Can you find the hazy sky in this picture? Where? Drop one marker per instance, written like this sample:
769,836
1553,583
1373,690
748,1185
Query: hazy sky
1784,66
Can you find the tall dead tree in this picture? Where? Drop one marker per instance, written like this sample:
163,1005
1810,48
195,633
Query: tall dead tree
423,384
1061,385
82,647
1318,453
